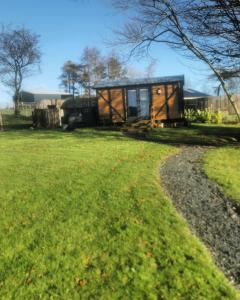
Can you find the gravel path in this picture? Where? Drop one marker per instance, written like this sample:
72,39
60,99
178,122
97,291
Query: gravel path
211,215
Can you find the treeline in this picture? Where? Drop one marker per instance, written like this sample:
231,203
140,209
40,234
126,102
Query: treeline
79,77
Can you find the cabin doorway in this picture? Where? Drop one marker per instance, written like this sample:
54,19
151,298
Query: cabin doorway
138,101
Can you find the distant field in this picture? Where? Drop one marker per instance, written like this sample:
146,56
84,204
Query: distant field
83,216
223,166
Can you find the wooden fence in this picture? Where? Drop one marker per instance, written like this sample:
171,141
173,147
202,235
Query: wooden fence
218,103
1,122
47,118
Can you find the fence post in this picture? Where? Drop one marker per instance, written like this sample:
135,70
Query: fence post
1,122
152,117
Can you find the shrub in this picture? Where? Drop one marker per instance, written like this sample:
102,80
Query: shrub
229,119
199,115
203,115
190,115
217,117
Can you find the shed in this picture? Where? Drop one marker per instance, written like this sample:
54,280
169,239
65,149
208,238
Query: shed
30,97
194,99
46,103
80,111
158,99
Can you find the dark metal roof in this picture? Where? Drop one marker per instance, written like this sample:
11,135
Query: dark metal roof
79,103
140,81
45,92
189,93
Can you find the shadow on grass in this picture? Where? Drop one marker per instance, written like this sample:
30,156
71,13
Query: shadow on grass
195,135
110,133
88,133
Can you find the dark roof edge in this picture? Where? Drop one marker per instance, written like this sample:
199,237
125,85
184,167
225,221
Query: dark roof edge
139,81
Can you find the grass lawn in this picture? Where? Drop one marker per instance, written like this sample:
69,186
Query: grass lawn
223,166
83,216
197,134
11,122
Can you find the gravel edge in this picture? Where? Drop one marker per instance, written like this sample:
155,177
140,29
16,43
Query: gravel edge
213,217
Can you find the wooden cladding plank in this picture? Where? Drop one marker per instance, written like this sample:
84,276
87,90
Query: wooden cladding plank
103,104
166,105
118,113
158,102
173,102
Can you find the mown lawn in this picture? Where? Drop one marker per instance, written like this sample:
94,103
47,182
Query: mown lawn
83,216
223,166
11,122
197,135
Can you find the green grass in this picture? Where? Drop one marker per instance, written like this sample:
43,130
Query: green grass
11,122
83,216
223,166
197,134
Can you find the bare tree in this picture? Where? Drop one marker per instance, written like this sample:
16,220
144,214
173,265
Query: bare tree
232,80
134,72
179,24
94,67
151,68
71,76
19,55
216,24
115,67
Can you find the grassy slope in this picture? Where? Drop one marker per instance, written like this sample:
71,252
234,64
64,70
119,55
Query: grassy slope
83,214
223,166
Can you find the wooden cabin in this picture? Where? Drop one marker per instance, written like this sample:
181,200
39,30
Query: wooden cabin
157,99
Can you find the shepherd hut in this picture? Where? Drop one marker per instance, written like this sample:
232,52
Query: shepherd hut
158,100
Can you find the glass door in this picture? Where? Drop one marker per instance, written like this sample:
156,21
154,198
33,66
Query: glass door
138,103
144,102
132,103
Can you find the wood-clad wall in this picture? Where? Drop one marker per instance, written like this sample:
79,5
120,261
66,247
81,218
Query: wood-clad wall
103,105
173,102
166,105
112,106
158,102
118,105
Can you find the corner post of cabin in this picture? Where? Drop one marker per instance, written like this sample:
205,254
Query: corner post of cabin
181,98
124,103
110,106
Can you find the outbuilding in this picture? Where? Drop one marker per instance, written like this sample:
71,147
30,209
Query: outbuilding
158,100
31,97
80,111
195,100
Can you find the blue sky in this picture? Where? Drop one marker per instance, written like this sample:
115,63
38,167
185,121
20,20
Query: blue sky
66,27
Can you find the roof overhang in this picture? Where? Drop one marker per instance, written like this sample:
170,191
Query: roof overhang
125,82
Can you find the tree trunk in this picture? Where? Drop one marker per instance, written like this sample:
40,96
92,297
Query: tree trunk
230,99
89,92
17,105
